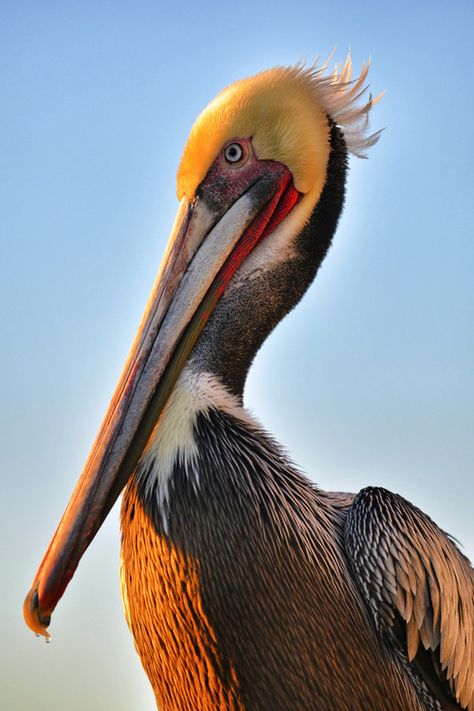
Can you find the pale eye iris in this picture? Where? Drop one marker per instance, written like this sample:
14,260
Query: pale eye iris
233,153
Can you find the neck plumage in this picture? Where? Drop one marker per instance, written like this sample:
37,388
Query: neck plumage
264,290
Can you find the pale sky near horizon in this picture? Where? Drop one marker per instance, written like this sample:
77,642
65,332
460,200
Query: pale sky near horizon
368,381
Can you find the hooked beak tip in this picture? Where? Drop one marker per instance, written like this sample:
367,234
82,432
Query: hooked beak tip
34,617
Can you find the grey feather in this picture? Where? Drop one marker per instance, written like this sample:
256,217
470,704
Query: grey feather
433,590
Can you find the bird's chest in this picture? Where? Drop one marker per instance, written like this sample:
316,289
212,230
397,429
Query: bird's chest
226,617
162,596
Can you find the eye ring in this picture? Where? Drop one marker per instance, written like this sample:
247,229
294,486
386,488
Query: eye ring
234,152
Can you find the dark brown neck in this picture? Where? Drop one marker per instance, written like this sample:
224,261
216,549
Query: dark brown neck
246,316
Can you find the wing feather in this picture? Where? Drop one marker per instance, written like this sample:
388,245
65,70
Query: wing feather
407,568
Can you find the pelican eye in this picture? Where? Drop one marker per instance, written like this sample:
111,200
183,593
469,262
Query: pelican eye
233,153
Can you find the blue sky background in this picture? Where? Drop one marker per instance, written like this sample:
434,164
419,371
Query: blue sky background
369,381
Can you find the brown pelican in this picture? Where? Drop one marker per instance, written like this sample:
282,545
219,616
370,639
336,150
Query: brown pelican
245,586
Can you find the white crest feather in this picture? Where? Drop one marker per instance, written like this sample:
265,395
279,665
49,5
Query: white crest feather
340,96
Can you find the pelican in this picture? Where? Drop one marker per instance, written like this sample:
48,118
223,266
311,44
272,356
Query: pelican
245,586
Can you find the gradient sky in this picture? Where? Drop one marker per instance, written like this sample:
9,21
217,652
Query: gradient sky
369,381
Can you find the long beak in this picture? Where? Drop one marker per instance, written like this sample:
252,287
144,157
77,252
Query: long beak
206,246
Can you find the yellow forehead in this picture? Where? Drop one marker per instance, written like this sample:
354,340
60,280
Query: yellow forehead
279,110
